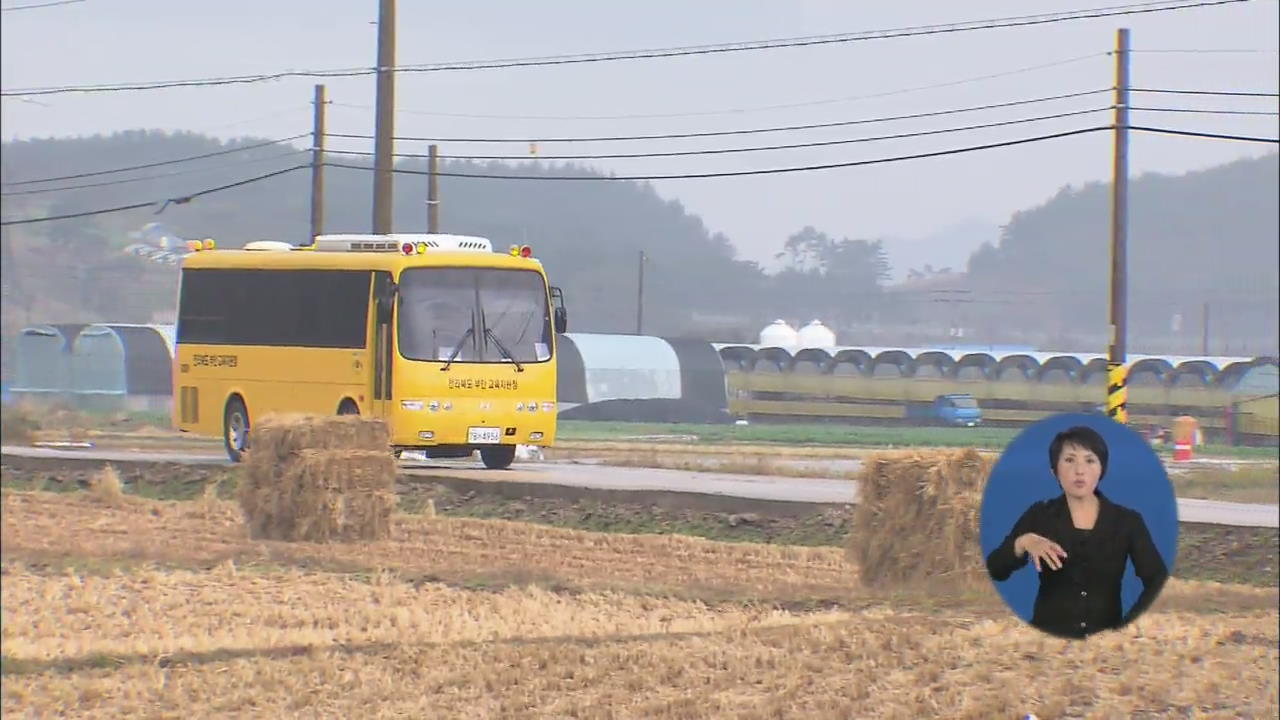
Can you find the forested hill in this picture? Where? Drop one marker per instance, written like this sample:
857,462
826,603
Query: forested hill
1208,236
1205,237
587,233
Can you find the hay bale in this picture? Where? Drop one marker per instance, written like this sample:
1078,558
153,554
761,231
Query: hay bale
318,479
277,437
916,520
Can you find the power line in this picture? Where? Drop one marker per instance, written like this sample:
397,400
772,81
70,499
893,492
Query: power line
1201,111
182,200
770,171
157,176
994,23
144,166
87,213
1222,93
751,131
1211,51
739,173
40,5
1216,136
727,151
744,110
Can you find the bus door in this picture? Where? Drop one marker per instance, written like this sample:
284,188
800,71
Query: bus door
383,355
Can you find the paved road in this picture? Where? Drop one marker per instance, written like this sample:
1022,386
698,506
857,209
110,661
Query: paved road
595,476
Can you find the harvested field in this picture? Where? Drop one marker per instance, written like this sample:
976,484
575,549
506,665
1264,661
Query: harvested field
168,609
1206,552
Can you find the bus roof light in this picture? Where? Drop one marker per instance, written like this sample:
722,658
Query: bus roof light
407,248
526,251
515,250
209,244
422,248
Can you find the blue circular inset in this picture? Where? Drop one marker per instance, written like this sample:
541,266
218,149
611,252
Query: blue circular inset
1135,478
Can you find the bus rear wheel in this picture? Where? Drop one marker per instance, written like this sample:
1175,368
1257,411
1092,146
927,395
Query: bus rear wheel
498,457
235,429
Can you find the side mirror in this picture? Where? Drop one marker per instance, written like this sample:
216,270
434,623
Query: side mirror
560,316
386,301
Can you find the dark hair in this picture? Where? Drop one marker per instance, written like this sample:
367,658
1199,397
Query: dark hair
1085,437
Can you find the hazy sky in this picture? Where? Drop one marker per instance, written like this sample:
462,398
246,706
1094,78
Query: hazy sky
108,41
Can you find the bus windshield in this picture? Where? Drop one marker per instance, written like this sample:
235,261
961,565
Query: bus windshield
487,315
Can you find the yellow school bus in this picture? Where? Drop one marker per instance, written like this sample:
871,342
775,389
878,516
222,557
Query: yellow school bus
449,341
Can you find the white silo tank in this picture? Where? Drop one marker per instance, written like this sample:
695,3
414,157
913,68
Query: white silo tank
816,335
779,334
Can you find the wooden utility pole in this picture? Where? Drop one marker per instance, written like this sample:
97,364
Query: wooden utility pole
317,166
384,121
640,297
1116,392
433,190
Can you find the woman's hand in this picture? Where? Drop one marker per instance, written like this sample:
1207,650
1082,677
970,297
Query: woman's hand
1041,549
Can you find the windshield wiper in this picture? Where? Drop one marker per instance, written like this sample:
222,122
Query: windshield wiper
457,349
489,333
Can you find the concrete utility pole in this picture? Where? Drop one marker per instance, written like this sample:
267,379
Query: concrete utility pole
1116,392
433,190
317,166
384,122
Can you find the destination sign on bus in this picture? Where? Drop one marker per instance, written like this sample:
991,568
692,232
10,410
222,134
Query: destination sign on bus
483,384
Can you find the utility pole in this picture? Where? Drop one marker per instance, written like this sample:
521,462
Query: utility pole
433,190
640,297
317,166
384,122
1116,392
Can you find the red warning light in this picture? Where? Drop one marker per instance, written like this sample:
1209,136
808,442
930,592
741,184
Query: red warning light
407,248
526,251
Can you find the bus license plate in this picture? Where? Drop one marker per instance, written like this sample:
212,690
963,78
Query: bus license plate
484,435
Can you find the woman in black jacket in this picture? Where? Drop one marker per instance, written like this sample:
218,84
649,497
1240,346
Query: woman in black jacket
1079,543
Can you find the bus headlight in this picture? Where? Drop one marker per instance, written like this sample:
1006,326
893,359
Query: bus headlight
414,405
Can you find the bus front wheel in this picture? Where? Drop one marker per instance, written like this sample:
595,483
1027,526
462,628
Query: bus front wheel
498,457
235,429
